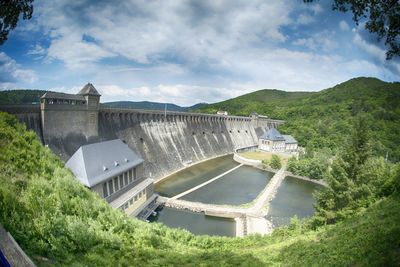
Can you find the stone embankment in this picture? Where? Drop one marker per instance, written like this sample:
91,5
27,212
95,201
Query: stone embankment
320,182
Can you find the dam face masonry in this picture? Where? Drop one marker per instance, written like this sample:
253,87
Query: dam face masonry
167,141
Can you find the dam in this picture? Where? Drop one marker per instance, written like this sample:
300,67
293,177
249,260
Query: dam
188,155
167,141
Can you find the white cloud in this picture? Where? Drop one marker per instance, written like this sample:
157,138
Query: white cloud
75,52
146,32
344,26
12,73
180,94
322,41
317,9
194,51
37,51
378,54
305,19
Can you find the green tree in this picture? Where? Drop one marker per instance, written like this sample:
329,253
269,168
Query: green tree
275,162
355,177
10,10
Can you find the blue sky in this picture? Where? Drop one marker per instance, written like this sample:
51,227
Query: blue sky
186,52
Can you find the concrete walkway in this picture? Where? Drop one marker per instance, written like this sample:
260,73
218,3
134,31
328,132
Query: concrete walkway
205,183
253,215
260,208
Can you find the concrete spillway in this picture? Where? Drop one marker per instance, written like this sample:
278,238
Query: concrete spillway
167,145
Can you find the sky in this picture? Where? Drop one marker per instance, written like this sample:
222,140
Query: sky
186,52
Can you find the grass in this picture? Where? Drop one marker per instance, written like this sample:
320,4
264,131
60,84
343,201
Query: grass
263,155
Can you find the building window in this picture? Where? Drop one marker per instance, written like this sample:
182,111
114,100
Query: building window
121,181
116,184
110,187
131,201
134,174
136,198
126,178
105,192
130,176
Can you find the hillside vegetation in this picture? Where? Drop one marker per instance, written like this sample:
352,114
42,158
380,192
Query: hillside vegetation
10,97
322,120
150,105
57,221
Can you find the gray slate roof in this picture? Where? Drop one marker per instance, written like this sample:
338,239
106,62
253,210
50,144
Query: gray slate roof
273,134
88,89
55,95
95,163
289,139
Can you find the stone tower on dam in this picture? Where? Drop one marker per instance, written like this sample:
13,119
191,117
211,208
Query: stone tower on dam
167,141
70,118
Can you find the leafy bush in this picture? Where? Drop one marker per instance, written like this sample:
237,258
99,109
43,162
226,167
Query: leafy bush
275,162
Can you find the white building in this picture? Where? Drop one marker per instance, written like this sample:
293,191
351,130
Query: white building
115,173
274,141
222,112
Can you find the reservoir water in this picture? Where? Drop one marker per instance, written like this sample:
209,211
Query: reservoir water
196,223
294,197
238,187
194,175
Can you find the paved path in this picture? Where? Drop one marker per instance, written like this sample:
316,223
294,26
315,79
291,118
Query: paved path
268,194
205,183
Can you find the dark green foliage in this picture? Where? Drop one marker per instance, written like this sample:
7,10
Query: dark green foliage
9,15
11,97
275,162
323,120
150,105
370,238
312,164
356,179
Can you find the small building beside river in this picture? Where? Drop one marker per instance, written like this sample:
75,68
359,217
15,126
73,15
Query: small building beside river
274,141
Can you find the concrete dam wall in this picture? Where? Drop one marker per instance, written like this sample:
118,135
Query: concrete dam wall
166,141
172,142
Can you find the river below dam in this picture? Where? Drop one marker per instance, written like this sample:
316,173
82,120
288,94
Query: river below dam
294,197
237,187
196,223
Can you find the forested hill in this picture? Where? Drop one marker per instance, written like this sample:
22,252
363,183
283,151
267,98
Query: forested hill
151,105
323,119
26,96
20,96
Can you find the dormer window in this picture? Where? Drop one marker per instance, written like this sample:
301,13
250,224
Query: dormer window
116,163
126,160
105,168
